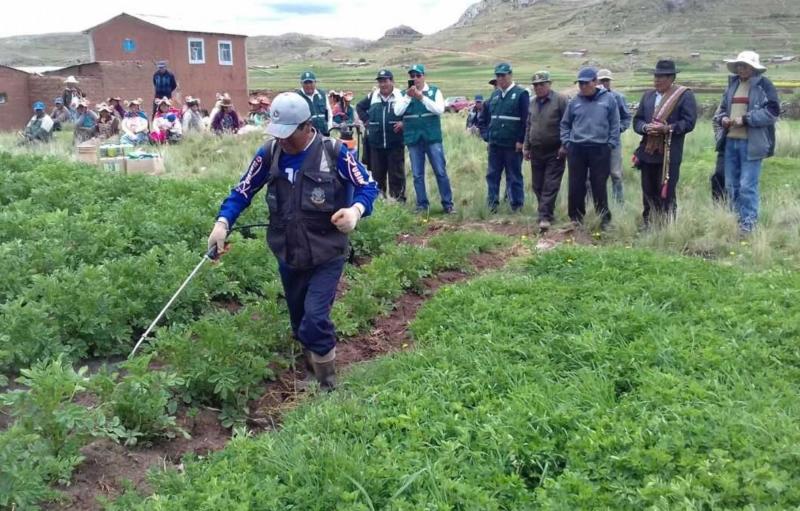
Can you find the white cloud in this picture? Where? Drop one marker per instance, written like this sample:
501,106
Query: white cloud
354,18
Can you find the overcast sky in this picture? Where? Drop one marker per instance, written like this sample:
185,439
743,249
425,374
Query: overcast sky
367,19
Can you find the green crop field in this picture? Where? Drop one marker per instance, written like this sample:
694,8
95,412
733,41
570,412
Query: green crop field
650,369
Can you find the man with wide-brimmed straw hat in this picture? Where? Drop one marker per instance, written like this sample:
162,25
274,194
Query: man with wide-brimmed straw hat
664,117
748,112
72,94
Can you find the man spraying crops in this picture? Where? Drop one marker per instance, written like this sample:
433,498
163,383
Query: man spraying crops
307,176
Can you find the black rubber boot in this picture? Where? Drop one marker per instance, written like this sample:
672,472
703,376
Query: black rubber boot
325,369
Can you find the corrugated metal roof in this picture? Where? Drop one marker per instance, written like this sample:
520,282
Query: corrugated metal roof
37,70
179,24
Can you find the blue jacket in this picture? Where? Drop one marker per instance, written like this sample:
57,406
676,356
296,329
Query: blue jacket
624,114
591,120
349,169
164,84
762,114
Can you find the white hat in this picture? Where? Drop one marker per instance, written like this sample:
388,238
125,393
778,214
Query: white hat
746,57
70,79
289,110
605,74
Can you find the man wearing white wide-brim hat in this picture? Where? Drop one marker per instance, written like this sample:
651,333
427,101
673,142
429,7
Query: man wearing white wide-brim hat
748,112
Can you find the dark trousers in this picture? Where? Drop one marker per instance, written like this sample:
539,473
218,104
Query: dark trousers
718,179
652,182
510,160
389,165
594,161
309,295
547,170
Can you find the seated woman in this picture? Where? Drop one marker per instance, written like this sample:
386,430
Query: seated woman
85,124
167,126
134,126
107,122
115,102
257,116
226,120
193,116
60,115
342,111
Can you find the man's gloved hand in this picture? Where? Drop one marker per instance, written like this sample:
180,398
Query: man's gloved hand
218,235
346,218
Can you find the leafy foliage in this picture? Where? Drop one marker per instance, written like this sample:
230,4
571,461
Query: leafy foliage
617,379
141,400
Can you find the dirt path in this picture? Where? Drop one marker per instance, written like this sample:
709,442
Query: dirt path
108,465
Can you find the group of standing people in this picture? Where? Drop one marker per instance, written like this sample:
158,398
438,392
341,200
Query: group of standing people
584,132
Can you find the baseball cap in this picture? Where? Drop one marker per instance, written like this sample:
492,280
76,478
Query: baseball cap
417,68
288,111
586,74
478,97
308,76
161,64
503,68
38,105
541,77
385,73
58,101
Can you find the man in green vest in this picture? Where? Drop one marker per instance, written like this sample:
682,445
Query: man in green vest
506,114
385,136
317,102
421,107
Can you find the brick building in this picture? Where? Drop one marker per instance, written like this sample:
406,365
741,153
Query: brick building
15,103
124,51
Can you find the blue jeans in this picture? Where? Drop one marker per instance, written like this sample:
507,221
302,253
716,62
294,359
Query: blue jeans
435,152
741,182
309,295
508,159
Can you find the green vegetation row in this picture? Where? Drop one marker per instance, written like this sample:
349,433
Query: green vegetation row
584,379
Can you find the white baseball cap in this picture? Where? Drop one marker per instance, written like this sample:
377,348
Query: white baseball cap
288,111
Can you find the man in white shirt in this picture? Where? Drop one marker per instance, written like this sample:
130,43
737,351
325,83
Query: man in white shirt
421,107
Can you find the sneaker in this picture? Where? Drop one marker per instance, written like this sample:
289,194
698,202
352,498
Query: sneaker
544,224
449,210
421,211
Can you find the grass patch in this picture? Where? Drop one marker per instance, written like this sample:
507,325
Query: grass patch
585,379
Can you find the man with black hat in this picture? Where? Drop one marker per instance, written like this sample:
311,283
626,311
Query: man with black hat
505,114
589,131
385,136
542,143
311,211
317,102
664,117
421,108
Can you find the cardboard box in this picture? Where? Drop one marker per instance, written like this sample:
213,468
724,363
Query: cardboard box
151,166
116,165
87,152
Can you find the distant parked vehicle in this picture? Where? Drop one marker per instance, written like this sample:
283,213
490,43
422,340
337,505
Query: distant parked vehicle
456,104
